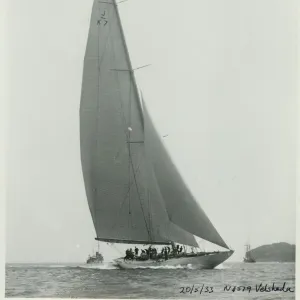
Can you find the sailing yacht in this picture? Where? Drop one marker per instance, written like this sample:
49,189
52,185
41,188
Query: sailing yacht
248,257
95,259
135,193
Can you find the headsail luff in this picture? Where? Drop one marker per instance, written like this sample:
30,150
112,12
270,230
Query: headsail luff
182,208
112,142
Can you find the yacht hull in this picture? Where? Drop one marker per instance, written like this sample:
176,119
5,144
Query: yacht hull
94,262
208,261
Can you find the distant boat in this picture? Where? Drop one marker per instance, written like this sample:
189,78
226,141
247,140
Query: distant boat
248,258
95,259
135,193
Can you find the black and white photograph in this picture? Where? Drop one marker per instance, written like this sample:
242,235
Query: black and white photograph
151,149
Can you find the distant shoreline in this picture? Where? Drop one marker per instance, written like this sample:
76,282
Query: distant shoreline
276,252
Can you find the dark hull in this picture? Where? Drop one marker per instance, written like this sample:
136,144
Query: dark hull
97,259
94,261
199,261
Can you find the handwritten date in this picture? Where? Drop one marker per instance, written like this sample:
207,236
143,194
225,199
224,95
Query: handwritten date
201,289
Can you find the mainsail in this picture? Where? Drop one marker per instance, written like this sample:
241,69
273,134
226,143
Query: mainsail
123,197
129,199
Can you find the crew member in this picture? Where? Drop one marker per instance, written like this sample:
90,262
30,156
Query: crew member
136,251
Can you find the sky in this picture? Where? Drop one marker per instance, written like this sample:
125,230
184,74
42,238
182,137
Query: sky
222,84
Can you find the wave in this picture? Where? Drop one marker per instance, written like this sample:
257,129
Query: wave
165,267
103,266
38,266
111,266
187,267
221,267
57,266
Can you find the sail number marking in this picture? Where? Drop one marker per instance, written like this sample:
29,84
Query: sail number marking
102,19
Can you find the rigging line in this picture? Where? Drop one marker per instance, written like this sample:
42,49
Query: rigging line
125,197
131,70
129,198
116,3
141,67
129,181
112,245
149,208
121,2
129,187
139,196
124,200
129,150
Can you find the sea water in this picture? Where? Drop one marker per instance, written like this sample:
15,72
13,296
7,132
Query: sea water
228,281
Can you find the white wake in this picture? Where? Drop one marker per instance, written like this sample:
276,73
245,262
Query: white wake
112,266
103,266
161,267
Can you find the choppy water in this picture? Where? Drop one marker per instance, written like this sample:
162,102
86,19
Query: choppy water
79,281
